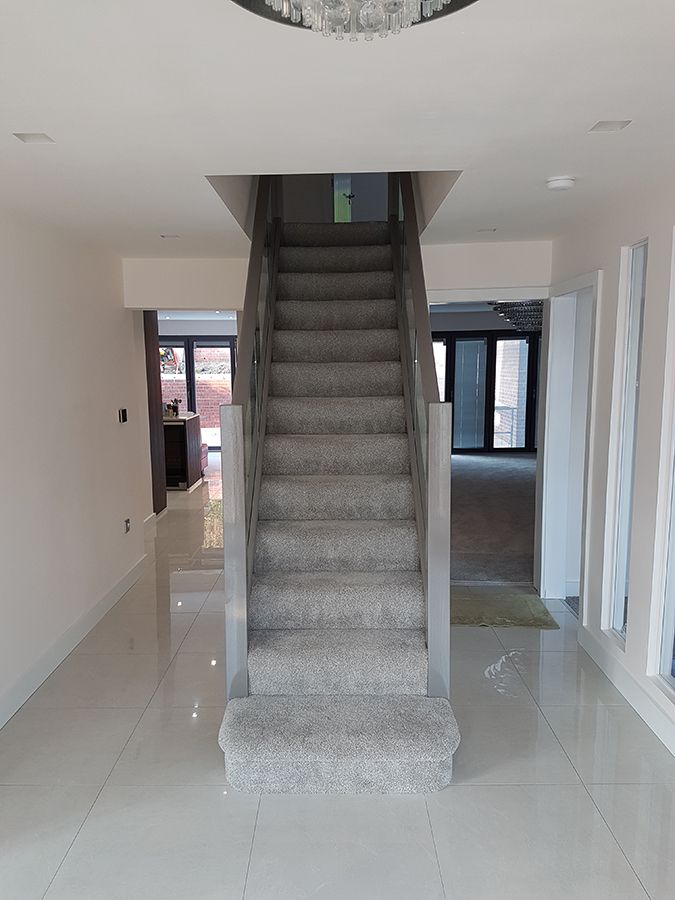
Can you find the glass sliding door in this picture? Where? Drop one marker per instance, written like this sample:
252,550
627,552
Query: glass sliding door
470,378
199,371
491,379
631,396
510,397
213,370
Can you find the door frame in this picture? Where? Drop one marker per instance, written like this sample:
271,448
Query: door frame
492,338
189,341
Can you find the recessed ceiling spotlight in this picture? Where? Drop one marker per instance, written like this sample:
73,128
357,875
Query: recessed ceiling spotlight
33,137
561,183
486,230
609,125
217,312
167,317
170,237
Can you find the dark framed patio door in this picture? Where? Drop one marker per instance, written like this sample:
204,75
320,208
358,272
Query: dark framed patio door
491,379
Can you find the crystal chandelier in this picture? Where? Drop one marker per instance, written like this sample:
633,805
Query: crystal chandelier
360,18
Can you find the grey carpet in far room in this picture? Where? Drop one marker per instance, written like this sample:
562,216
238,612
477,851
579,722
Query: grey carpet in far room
493,517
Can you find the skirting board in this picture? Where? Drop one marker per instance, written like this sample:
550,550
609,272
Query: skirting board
646,706
30,681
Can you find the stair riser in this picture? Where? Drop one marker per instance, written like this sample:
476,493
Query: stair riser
340,234
336,379
335,605
331,775
326,315
289,668
284,500
335,259
336,346
302,455
335,286
360,415
362,550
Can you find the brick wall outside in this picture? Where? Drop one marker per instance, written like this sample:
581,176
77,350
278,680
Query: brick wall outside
213,386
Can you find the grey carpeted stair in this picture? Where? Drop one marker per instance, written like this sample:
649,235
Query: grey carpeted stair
326,745
335,285
335,454
350,259
336,546
368,345
335,415
337,600
336,497
332,315
338,380
337,659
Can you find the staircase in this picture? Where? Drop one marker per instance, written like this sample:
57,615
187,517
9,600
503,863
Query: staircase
337,658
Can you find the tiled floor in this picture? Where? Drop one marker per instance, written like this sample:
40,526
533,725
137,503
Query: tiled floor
112,784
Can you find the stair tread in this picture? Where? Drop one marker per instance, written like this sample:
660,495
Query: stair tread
336,453
336,379
335,315
337,661
337,600
333,744
336,345
330,415
341,234
376,285
337,258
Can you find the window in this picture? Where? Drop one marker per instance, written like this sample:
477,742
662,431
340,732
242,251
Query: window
627,440
668,643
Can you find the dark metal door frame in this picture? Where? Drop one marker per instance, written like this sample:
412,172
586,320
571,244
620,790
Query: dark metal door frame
491,338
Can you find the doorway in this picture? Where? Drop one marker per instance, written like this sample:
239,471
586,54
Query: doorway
491,378
199,372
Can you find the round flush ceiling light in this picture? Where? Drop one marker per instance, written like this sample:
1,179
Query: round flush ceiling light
561,183
353,18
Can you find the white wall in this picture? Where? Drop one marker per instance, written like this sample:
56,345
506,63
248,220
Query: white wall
490,265
201,327
72,355
599,246
184,283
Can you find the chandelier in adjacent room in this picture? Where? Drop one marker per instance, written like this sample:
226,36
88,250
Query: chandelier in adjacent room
354,18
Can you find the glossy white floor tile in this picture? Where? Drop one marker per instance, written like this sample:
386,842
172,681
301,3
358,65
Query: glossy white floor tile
135,710
484,677
124,632
207,634
642,818
563,638
611,745
63,746
565,679
37,826
528,843
166,843
173,746
103,680
192,680
508,745
361,848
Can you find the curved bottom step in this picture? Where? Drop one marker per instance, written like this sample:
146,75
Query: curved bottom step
338,745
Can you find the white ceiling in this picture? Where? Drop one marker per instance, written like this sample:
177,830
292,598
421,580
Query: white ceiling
146,97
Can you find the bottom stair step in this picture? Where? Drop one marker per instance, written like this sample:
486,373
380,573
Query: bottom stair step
337,661
330,745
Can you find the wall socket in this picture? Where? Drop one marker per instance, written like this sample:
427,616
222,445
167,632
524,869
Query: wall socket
127,526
